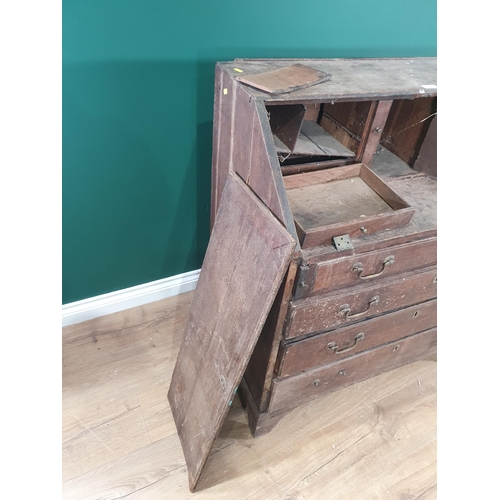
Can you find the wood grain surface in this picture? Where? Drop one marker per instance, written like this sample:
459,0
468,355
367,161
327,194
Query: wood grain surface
372,440
284,80
312,383
349,305
344,342
247,257
352,79
340,271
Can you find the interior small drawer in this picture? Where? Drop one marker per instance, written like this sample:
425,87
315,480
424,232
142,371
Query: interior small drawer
291,391
302,355
350,200
326,312
369,267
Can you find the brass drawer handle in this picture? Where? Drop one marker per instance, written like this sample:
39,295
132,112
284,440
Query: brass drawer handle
346,310
332,346
358,268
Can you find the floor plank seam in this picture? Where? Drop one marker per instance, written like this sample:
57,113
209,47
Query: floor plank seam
99,424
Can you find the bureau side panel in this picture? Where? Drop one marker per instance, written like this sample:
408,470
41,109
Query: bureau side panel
223,131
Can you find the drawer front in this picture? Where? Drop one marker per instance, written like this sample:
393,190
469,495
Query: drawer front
347,341
290,391
326,312
371,266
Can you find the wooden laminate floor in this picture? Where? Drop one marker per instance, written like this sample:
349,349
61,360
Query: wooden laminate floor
373,440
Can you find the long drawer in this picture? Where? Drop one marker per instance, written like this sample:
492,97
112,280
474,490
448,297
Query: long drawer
290,391
333,346
326,312
329,274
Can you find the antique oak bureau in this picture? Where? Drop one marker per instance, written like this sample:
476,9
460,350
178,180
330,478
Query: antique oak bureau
321,266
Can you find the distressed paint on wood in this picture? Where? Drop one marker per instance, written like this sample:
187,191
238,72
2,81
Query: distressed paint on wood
246,259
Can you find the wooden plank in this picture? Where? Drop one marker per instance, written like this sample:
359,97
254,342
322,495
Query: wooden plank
246,259
386,164
224,128
321,176
252,155
286,122
372,224
306,147
311,384
339,132
382,189
268,165
293,168
427,156
260,369
367,126
285,80
339,271
349,305
336,202
374,133
407,126
242,142
352,79
325,142
347,341
351,116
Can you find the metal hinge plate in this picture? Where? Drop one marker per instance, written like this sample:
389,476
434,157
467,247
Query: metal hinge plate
302,287
342,242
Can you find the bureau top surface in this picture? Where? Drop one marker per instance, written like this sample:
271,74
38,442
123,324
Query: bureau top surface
350,78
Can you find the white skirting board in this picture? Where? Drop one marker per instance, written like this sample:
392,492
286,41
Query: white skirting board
83,310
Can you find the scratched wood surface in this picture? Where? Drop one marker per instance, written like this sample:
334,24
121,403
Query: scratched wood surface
349,305
284,80
372,440
352,79
243,142
246,260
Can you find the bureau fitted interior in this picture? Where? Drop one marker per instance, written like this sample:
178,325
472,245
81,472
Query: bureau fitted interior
319,147
332,133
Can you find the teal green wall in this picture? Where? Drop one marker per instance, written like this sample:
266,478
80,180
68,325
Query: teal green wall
137,115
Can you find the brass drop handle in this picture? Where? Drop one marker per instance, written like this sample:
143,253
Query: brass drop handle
346,310
332,346
358,268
